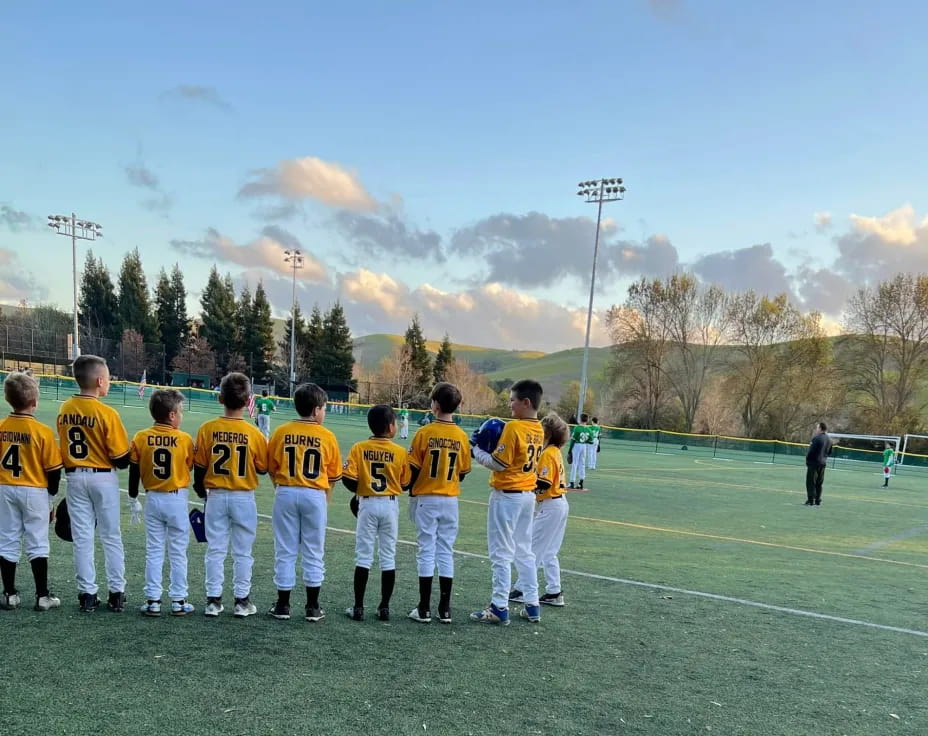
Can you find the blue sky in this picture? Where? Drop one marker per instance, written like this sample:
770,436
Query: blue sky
425,156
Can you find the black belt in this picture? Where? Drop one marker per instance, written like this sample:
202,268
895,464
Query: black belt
502,491
392,497
553,498
88,470
174,491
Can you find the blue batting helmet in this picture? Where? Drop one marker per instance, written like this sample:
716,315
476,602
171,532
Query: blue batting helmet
487,436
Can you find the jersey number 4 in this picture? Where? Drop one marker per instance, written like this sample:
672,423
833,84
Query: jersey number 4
223,454
11,461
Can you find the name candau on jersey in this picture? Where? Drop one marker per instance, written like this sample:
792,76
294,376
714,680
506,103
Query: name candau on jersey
378,456
19,438
443,443
160,440
238,438
77,420
301,440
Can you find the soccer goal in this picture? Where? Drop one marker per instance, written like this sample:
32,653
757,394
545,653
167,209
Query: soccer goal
858,449
914,453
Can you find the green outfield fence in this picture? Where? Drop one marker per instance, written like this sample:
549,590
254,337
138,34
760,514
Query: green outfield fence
659,441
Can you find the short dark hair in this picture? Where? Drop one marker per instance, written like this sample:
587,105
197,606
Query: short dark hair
447,395
528,389
595,420
822,426
86,368
264,392
379,418
163,402
234,390
584,417
307,398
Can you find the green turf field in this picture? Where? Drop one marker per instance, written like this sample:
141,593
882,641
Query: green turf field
757,615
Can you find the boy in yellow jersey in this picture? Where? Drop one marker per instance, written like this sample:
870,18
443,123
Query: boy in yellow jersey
161,458
304,461
512,504
93,444
377,471
30,471
439,459
230,453
550,521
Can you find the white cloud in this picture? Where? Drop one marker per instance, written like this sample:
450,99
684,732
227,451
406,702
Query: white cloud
822,221
16,283
310,178
897,227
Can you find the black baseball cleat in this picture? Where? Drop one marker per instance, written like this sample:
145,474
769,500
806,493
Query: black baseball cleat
116,602
571,487
383,614
88,602
580,485
808,503
444,616
355,613
516,596
552,599
314,615
280,611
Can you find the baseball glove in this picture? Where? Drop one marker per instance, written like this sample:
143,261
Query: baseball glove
570,458
63,521
353,504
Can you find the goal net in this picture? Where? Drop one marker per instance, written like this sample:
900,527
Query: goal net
914,453
865,448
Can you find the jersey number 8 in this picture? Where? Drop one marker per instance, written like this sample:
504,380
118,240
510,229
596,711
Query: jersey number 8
77,443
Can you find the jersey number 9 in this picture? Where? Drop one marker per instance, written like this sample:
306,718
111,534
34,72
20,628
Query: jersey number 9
161,463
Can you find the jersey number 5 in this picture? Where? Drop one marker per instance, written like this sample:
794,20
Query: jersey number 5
378,479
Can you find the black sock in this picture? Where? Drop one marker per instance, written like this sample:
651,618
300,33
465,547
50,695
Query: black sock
283,597
8,574
312,596
425,593
40,573
360,585
444,593
387,580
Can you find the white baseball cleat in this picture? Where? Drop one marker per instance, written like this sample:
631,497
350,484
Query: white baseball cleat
45,602
244,607
213,607
151,608
425,617
10,601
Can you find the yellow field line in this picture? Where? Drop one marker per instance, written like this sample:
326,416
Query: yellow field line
721,538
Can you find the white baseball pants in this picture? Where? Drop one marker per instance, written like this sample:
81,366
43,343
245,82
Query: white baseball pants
404,431
264,424
231,516
548,529
378,520
591,455
299,518
23,517
509,540
578,466
93,500
436,519
166,522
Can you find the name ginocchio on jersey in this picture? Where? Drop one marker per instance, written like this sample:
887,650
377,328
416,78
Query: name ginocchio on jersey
18,438
443,443
76,420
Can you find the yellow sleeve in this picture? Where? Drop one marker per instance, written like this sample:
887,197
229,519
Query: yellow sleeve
417,450
505,451
333,468
464,465
188,460
51,453
260,451
117,438
547,470
201,451
405,471
134,449
350,468
273,450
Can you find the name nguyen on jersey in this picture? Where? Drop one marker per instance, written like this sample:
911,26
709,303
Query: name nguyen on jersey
378,456
76,420
443,443
20,438
302,440
160,440
239,438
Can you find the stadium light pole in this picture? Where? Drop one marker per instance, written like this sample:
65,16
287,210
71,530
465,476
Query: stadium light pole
78,230
598,192
295,259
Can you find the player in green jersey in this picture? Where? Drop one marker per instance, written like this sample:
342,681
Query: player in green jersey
581,442
889,459
264,406
593,450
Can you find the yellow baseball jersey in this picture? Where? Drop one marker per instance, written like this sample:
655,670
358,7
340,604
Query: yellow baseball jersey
233,452
380,466
441,453
164,456
551,473
90,433
28,452
304,453
518,451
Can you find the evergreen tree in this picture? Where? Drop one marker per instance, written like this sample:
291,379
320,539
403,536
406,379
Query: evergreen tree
443,360
334,358
420,359
243,341
218,315
301,367
97,303
133,304
315,336
171,312
261,336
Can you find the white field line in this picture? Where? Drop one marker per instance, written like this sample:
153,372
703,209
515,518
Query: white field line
671,589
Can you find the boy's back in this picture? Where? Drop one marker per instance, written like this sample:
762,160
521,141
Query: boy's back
380,467
91,434
304,453
233,452
441,452
164,456
518,451
28,451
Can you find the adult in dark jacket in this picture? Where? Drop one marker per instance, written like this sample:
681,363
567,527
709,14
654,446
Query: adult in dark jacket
816,460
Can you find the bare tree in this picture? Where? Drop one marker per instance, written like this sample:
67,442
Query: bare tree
395,381
476,396
889,359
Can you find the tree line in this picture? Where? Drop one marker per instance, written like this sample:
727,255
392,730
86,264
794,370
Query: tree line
693,358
